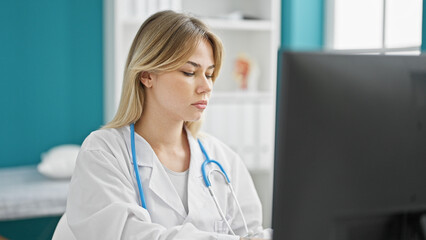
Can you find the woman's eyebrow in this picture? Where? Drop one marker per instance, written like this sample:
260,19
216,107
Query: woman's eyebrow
198,65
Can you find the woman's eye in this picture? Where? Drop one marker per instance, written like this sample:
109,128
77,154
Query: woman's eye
189,74
209,76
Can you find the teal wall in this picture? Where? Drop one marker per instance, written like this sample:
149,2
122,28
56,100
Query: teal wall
302,24
34,228
51,76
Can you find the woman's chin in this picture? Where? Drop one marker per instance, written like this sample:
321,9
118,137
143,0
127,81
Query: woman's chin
194,118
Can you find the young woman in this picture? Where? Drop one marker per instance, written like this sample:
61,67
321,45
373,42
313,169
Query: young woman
140,176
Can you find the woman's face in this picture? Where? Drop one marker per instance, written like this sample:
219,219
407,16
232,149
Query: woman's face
183,94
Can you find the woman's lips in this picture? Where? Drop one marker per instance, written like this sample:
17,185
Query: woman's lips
200,105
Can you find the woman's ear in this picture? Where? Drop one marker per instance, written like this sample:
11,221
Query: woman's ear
146,79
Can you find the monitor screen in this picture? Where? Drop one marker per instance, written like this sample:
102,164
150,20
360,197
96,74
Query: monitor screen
350,148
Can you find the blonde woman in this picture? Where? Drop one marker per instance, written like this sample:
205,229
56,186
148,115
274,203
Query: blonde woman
140,176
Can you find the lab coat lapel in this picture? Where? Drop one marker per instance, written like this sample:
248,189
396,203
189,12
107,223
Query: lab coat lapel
198,195
161,185
159,182
197,157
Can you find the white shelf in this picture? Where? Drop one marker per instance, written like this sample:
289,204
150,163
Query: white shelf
219,24
241,97
247,25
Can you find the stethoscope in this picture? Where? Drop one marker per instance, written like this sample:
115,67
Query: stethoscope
206,178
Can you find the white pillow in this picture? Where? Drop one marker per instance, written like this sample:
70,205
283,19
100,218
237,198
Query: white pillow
59,162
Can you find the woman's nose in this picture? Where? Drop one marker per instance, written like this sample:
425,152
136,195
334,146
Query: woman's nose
205,85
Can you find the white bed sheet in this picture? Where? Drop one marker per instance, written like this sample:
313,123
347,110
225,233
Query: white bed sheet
25,193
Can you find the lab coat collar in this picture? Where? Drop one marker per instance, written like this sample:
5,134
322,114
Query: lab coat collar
145,155
197,157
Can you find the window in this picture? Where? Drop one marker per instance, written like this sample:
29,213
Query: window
374,26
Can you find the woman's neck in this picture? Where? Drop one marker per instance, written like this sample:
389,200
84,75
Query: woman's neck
161,133
168,140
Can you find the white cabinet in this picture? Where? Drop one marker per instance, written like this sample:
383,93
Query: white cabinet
240,113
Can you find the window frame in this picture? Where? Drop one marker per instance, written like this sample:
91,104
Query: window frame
329,36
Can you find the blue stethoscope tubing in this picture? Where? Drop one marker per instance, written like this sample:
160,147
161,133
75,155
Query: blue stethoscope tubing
135,165
206,178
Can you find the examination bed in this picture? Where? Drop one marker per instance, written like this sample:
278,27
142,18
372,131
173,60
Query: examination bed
30,203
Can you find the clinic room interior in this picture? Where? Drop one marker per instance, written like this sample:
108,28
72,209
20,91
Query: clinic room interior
62,72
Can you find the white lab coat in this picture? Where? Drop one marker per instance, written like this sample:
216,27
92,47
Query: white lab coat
103,200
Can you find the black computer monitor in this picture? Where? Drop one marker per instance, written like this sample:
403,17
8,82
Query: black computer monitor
350,151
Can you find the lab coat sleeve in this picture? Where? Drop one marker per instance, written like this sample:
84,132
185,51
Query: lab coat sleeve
249,201
103,204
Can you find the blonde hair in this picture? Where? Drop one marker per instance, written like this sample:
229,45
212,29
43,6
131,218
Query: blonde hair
163,43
